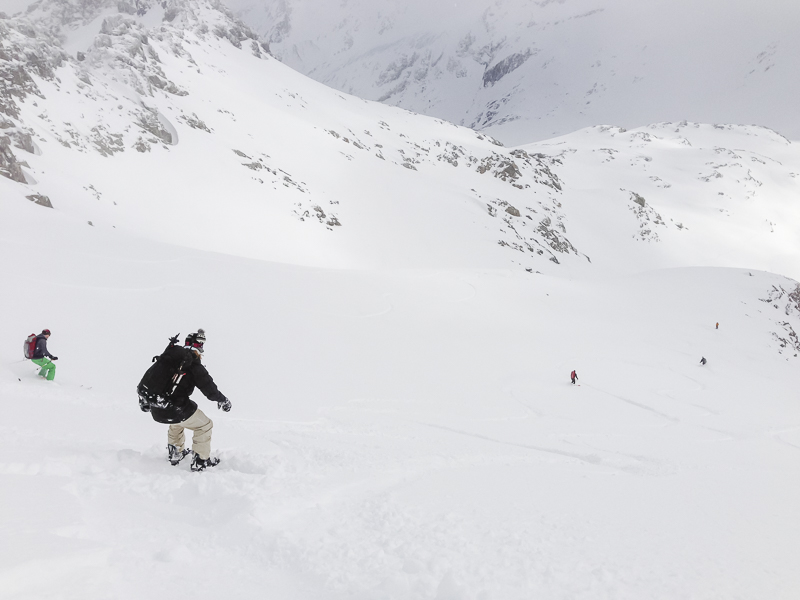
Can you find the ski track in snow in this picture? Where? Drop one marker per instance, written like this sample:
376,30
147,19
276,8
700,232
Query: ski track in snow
638,405
586,458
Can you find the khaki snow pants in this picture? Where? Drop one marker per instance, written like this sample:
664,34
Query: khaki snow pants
201,440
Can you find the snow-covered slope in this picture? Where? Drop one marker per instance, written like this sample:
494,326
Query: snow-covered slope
525,71
253,159
697,194
403,425
174,124
407,435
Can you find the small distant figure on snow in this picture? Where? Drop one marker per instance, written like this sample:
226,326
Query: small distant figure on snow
574,377
164,392
703,360
40,355
717,326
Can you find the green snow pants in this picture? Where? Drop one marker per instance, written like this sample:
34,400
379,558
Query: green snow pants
48,368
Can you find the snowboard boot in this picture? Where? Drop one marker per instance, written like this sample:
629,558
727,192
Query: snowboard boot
199,464
175,455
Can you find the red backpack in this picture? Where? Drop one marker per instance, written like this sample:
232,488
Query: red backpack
29,347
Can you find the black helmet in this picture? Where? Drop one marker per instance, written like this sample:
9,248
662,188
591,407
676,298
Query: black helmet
47,332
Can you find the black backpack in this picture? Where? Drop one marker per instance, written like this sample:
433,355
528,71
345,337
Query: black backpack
164,375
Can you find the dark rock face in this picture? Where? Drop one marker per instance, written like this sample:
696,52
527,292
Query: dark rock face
25,50
554,239
504,67
40,200
10,167
149,122
787,301
195,122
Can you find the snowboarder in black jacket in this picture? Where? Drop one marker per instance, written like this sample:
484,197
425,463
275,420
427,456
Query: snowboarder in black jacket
180,412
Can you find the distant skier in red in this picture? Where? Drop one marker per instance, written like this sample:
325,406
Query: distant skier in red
574,377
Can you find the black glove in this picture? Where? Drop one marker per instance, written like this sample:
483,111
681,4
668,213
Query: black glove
144,405
53,358
174,339
224,403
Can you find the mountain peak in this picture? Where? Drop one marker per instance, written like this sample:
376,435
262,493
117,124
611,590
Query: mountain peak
533,70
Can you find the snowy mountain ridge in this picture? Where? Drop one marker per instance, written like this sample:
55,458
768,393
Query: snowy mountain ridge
525,71
120,74
217,136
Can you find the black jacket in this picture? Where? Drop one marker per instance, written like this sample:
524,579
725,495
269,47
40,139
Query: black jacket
41,347
181,407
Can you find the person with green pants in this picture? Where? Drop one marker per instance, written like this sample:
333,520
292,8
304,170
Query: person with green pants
43,358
